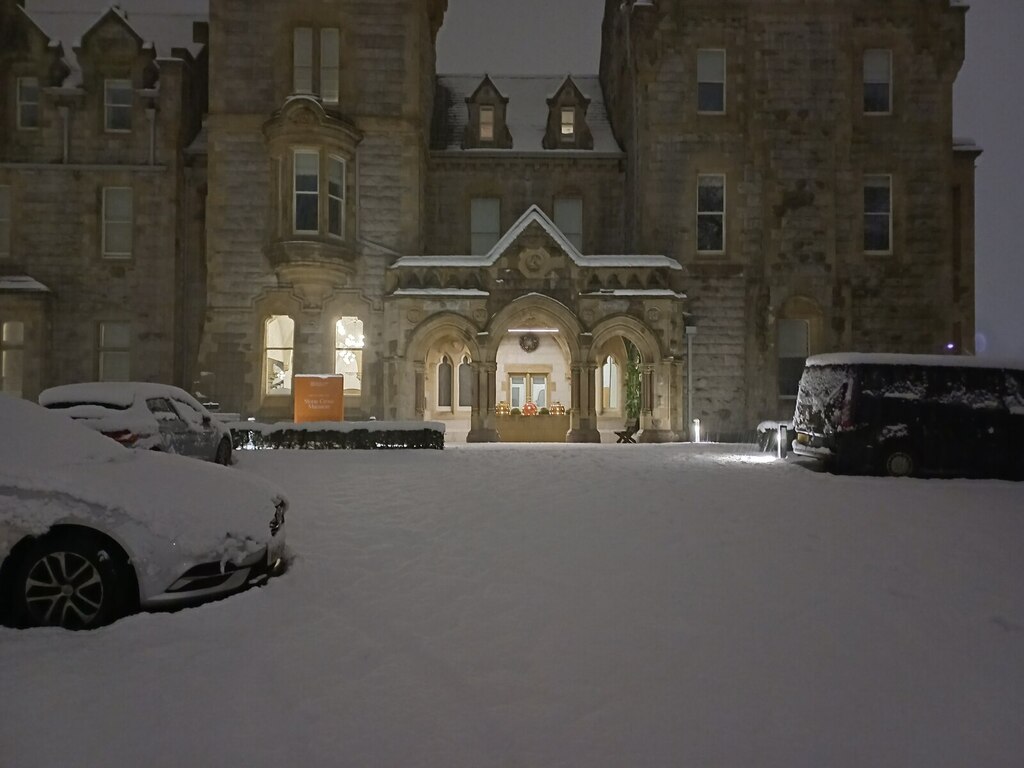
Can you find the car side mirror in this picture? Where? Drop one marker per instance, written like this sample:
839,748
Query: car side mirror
206,418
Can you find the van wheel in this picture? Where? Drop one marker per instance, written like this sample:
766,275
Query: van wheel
899,462
223,456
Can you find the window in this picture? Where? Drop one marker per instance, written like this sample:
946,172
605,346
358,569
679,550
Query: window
279,348
12,357
444,383
466,382
610,384
330,45
711,213
28,103
117,222
568,122
569,219
5,222
307,191
303,54
485,227
336,196
113,353
349,342
711,81
486,123
877,82
878,214
528,387
117,105
793,350
302,60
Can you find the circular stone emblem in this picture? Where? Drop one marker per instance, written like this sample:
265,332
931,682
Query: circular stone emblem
529,342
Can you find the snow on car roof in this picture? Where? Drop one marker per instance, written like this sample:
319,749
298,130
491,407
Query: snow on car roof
885,358
117,393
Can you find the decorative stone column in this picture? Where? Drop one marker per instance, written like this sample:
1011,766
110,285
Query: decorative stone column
419,398
583,423
482,427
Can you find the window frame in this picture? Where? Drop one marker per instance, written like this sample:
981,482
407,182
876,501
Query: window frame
21,104
315,192
287,364
475,233
302,36
6,219
465,397
357,349
888,82
707,214
887,214
107,221
336,200
445,373
779,357
330,66
489,133
106,352
110,85
570,112
722,84
12,350
562,200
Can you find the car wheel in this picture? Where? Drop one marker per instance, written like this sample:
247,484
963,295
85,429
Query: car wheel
223,455
899,462
68,580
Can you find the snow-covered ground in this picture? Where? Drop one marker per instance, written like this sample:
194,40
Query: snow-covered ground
554,605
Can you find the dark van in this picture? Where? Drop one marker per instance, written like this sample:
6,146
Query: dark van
912,415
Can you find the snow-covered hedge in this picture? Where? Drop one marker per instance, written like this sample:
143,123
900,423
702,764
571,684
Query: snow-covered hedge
328,435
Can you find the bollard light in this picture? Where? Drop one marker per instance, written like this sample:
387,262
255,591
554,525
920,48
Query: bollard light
696,430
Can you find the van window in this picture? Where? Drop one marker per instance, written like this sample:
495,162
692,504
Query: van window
905,382
1015,392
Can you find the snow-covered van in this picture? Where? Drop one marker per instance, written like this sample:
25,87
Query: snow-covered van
912,415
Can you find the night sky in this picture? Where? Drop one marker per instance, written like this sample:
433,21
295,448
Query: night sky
563,36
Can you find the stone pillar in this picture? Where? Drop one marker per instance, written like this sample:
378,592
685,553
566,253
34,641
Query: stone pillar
662,420
482,428
420,399
583,424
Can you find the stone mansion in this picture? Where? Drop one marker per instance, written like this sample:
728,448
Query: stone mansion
286,187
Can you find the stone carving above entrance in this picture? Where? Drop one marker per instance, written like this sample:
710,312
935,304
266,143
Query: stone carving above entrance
534,262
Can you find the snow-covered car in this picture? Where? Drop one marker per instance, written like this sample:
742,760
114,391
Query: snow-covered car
90,532
143,415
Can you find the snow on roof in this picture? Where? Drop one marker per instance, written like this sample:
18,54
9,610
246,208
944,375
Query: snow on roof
526,114
455,292
534,215
884,358
22,283
161,29
116,393
965,144
647,293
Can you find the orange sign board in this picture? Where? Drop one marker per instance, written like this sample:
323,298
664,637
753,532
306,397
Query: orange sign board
319,397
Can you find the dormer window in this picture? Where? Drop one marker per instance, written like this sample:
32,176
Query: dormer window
568,122
117,105
28,103
486,123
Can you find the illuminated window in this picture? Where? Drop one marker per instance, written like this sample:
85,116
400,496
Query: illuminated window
711,81
878,214
877,82
711,213
28,103
485,224
486,123
304,53
114,352
569,219
279,350
12,357
524,387
611,384
444,383
349,342
117,105
118,222
306,188
568,122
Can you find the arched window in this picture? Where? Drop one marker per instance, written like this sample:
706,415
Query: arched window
610,384
466,382
279,348
348,353
444,383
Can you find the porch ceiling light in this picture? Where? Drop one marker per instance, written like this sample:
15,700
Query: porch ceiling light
533,330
